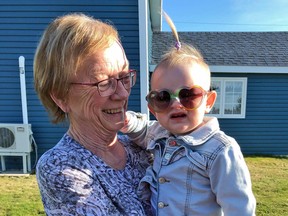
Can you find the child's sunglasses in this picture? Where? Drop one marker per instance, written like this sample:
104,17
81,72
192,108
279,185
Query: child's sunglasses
190,98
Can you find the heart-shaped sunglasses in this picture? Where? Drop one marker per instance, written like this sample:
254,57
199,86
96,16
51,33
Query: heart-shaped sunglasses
190,98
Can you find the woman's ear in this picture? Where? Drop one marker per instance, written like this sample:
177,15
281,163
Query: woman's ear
62,104
211,98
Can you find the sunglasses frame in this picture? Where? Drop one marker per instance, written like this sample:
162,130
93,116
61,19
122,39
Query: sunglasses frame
173,96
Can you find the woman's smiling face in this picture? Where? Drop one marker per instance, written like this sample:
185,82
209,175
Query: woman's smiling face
85,105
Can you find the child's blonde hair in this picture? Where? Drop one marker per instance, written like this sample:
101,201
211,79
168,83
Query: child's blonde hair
181,53
186,54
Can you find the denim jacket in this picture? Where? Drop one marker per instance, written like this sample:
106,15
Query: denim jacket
202,173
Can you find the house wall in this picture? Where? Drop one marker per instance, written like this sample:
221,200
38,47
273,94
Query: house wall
264,130
21,25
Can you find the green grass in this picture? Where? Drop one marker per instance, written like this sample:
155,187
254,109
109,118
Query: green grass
270,184
19,196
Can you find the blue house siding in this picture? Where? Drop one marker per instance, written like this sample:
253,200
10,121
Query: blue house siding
265,127
21,26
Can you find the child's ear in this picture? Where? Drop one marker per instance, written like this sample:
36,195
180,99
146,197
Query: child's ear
61,103
151,110
211,98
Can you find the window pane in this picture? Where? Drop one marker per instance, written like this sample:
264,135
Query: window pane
237,109
215,109
230,97
216,86
238,87
228,109
233,97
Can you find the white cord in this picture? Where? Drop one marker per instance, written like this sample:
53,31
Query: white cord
36,152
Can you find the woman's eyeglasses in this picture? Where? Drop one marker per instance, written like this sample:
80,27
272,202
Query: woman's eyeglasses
108,87
190,98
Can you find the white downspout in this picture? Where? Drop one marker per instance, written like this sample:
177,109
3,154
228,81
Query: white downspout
23,89
143,46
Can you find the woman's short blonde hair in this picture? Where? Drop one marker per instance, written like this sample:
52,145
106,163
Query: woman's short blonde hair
65,43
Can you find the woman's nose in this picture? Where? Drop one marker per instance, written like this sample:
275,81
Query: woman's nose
121,90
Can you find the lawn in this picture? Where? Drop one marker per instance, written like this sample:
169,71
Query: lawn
19,196
270,184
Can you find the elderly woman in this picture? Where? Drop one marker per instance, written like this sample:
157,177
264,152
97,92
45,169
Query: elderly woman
82,75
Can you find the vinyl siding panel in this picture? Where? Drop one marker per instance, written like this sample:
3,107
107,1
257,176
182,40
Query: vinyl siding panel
265,128
21,26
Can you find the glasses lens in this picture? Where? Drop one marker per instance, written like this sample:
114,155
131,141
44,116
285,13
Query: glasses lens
107,87
129,80
191,98
132,78
159,101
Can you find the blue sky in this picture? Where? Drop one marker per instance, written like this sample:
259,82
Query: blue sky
227,15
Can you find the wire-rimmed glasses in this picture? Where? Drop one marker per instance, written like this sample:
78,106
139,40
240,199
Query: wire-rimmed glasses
108,87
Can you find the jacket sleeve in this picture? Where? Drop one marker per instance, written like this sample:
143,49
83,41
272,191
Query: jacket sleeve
137,128
231,183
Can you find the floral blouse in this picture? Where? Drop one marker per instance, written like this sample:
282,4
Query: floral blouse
74,181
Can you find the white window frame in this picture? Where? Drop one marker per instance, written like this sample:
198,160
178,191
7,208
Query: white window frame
221,96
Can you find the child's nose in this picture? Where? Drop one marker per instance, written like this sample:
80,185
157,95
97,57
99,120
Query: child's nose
176,103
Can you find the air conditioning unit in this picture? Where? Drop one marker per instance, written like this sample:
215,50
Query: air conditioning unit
15,138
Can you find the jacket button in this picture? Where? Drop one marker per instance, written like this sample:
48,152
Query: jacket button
162,180
167,156
161,205
172,143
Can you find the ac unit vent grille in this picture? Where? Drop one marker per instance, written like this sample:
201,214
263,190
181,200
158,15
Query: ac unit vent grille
7,138
15,138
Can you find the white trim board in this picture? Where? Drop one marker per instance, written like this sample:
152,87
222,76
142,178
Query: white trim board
143,46
243,69
248,69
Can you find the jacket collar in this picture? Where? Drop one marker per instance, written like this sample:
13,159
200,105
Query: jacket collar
197,137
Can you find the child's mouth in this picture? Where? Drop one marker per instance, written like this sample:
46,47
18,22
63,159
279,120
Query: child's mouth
178,115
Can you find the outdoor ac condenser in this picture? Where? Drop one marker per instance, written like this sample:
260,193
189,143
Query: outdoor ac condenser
15,138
